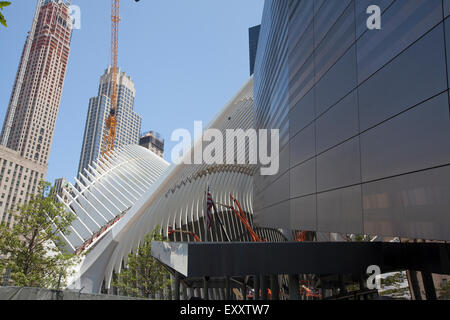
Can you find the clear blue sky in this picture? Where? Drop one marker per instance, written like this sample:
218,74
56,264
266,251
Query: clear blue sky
187,58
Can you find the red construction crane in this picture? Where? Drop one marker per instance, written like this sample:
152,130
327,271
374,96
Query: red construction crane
242,217
111,122
172,231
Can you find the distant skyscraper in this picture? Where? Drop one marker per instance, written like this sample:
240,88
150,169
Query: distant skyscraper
128,122
29,124
154,142
59,185
253,37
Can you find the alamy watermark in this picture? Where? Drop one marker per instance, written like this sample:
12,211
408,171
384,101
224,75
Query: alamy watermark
374,20
75,14
374,279
231,147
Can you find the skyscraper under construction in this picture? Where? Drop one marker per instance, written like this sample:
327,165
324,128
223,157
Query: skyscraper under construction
29,124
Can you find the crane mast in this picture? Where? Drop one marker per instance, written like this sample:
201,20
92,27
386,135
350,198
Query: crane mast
111,122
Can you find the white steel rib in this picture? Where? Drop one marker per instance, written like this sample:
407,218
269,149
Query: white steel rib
176,199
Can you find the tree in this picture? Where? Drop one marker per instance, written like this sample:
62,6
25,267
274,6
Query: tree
2,18
144,275
361,238
444,291
31,247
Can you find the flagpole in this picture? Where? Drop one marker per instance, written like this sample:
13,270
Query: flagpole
206,213
220,222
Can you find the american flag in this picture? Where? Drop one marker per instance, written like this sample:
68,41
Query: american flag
209,205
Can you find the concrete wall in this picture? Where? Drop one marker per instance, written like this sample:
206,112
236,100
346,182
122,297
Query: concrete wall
22,293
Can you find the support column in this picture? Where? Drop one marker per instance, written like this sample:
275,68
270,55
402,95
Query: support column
342,288
183,294
205,288
275,287
263,287
244,290
176,287
414,285
294,288
257,286
227,289
430,290
113,288
326,293
190,293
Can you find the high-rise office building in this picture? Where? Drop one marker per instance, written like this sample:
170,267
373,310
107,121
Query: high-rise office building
128,121
153,142
253,37
60,185
29,124
19,179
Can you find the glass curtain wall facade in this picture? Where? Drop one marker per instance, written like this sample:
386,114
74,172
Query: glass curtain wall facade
253,36
363,115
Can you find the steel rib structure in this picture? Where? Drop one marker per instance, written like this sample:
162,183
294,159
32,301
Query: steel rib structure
176,200
106,191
